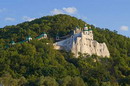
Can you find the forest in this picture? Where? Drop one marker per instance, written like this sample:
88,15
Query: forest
36,63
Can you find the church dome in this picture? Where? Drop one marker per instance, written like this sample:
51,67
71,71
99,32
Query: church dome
85,28
89,29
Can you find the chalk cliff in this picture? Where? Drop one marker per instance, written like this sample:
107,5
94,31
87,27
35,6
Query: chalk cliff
82,41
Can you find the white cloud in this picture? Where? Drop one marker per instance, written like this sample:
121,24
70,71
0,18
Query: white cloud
57,11
26,18
70,10
124,28
9,19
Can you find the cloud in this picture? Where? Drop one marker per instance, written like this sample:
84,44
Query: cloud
9,19
26,18
57,11
70,10
2,10
124,28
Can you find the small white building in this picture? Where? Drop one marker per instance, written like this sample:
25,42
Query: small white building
82,41
28,38
42,36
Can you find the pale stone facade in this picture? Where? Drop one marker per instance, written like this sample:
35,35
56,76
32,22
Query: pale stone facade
82,41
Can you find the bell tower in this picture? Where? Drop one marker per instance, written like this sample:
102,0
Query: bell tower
85,30
90,33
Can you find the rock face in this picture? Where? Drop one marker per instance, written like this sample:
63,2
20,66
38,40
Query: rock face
82,41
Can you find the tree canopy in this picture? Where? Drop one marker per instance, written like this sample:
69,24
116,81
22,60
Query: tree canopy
36,63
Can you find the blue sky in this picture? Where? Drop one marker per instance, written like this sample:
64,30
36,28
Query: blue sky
111,14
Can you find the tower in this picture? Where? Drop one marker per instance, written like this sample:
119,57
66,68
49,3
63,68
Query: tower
85,30
90,33
77,30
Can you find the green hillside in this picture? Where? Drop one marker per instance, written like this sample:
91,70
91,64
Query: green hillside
37,64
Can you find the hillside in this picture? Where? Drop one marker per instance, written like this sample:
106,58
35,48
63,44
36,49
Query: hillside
36,63
61,24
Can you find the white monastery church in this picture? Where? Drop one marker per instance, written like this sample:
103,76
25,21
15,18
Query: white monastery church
82,41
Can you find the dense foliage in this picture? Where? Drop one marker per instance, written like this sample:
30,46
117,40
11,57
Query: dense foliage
36,63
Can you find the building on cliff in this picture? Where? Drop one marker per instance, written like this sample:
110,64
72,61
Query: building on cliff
82,41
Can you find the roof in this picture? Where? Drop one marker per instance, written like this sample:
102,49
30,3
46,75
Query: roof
42,35
89,29
39,36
